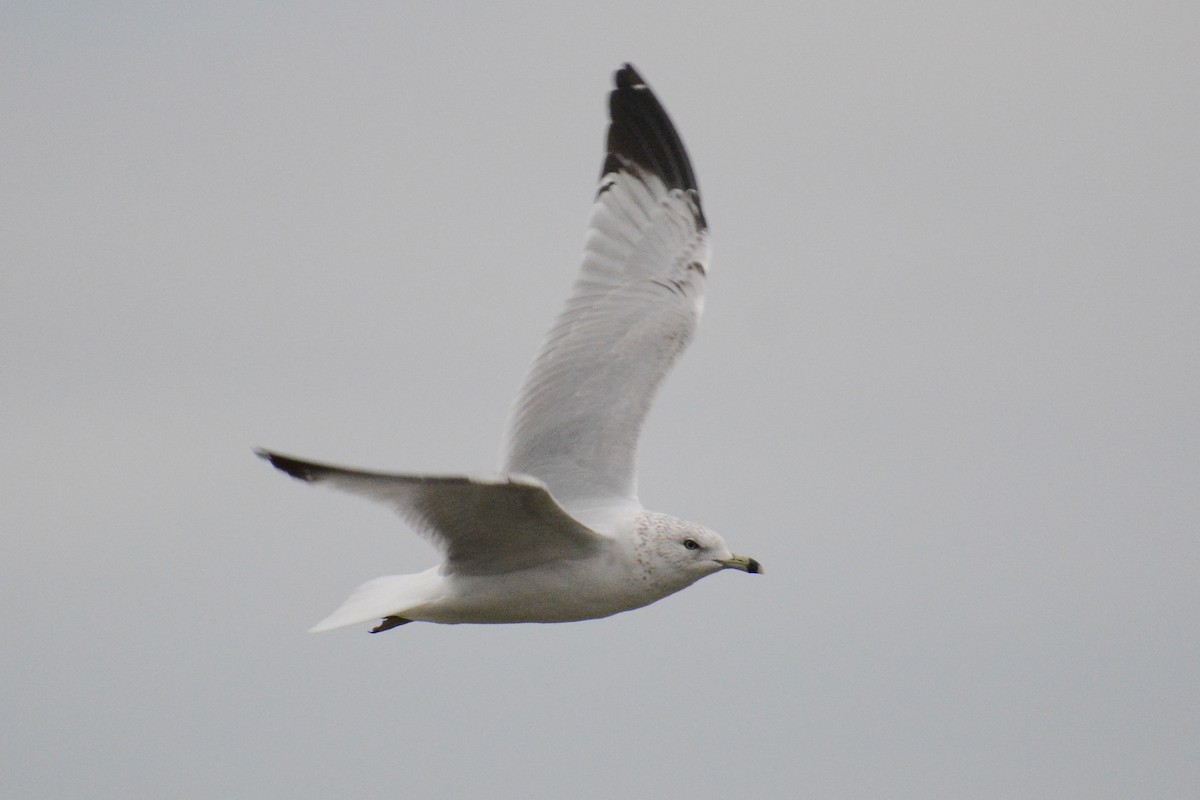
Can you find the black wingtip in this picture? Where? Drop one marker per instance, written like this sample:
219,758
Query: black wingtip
627,77
642,133
387,623
301,470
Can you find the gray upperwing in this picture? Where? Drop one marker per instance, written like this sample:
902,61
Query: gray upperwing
638,298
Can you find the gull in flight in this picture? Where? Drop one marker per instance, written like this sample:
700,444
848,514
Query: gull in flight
560,535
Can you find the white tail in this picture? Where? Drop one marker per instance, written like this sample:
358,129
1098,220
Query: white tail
388,596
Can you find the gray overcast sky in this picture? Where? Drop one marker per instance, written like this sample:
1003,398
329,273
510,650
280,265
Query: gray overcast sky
946,390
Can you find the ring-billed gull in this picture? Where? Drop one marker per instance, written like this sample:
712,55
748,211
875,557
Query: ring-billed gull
560,535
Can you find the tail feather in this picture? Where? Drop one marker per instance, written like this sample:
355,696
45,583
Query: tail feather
389,596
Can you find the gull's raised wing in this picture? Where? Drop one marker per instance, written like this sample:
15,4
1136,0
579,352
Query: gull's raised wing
637,301
485,526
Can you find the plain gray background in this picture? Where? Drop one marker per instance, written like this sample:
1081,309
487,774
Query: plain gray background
946,390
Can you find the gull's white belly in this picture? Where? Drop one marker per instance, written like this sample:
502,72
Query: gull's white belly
561,591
